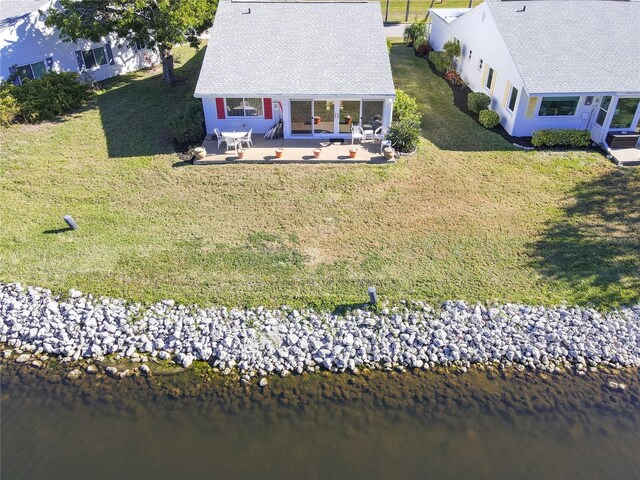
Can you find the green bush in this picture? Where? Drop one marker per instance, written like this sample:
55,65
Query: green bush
489,118
420,46
389,45
415,31
561,138
188,127
439,60
51,96
478,101
452,50
404,135
405,107
8,107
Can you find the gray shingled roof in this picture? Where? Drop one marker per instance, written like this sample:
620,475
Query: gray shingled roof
296,48
12,10
573,46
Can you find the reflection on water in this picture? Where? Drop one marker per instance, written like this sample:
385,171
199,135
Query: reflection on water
336,434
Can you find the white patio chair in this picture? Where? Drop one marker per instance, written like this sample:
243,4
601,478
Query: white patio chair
247,139
380,134
356,133
231,142
218,136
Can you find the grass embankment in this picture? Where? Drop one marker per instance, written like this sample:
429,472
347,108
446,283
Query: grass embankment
469,217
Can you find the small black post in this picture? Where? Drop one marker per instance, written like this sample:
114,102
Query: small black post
406,15
373,296
386,13
71,222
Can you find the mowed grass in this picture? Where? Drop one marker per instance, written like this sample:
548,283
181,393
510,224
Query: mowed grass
418,8
469,217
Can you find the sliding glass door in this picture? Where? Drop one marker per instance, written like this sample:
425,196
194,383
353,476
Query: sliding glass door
301,117
334,117
323,117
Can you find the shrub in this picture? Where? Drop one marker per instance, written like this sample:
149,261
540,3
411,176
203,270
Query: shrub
404,135
561,138
453,78
478,101
415,31
389,43
405,108
51,96
439,61
422,47
451,50
8,107
489,118
188,127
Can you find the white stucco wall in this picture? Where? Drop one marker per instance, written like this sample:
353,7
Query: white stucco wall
30,41
281,107
477,32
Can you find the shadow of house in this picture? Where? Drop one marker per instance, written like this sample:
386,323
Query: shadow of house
136,115
594,247
443,124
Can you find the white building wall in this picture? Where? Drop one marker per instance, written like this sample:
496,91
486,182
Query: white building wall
478,33
259,125
30,41
280,108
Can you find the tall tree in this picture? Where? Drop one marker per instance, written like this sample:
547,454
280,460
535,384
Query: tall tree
157,24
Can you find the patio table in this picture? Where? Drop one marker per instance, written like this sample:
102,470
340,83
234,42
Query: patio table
235,135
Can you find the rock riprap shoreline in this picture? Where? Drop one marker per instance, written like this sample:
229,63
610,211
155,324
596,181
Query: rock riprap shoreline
262,340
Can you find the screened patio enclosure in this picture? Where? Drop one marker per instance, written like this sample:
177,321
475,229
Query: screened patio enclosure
335,117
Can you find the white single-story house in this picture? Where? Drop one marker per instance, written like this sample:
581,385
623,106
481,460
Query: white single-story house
320,67
29,48
551,63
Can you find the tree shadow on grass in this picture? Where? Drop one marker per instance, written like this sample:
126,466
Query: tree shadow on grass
136,114
594,247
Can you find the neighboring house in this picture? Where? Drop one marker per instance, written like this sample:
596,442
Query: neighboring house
320,67
29,48
551,63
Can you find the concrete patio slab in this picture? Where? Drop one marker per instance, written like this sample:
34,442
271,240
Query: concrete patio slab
293,151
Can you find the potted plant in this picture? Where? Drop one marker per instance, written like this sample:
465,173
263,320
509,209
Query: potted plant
352,152
316,152
279,152
388,153
199,153
348,119
240,153
317,119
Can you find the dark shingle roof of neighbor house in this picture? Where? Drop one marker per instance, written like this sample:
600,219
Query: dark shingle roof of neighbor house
296,48
572,46
13,10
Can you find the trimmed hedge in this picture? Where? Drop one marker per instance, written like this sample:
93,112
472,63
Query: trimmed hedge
477,101
188,126
489,118
8,108
439,60
561,138
49,97
405,107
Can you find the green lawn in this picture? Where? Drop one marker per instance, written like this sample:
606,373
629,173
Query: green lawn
418,8
469,217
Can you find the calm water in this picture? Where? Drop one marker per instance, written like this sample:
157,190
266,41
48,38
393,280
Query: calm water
50,433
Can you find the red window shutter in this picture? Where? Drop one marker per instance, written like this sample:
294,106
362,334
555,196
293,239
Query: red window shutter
220,108
268,109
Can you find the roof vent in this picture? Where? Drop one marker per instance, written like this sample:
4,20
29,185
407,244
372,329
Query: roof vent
524,7
248,12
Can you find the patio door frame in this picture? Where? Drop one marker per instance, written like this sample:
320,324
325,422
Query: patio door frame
336,116
599,132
